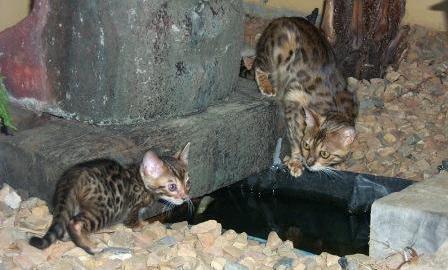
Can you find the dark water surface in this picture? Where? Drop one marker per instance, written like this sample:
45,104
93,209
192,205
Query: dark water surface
316,213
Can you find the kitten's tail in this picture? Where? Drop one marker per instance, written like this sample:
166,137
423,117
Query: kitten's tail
56,231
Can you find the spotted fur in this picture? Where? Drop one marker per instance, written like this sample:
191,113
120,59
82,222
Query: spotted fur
295,63
97,194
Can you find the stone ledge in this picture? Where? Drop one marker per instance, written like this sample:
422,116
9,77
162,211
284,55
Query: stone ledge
230,141
415,217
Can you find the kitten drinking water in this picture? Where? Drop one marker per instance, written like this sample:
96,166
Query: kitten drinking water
97,194
295,63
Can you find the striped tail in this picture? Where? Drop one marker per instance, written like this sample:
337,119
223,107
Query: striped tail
58,228
56,231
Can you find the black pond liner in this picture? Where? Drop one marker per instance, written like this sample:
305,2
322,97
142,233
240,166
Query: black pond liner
316,211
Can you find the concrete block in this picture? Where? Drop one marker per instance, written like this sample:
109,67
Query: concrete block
230,141
415,217
124,61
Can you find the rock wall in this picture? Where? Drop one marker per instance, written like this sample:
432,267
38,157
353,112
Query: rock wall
125,61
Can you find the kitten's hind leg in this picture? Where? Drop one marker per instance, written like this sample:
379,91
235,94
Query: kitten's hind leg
78,228
265,86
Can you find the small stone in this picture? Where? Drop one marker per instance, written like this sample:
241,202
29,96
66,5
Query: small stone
180,226
186,250
267,251
156,228
241,240
330,259
390,138
422,165
273,241
182,263
357,155
204,227
162,244
413,139
36,217
124,239
283,264
392,91
206,239
76,252
29,255
230,235
233,251
153,260
218,263
138,261
10,197
439,138
248,262
386,151
234,266
285,250
113,253
352,84
392,76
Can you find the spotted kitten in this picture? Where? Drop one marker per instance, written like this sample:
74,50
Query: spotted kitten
295,63
96,194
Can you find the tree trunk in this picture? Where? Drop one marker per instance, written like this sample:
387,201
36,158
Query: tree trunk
365,34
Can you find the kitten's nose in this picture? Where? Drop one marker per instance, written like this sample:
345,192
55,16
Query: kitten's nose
310,161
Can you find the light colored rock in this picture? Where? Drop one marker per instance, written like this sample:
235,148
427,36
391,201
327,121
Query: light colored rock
186,250
180,226
207,226
234,266
249,262
407,218
230,235
233,251
330,259
241,240
390,138
273,241
156,228
392,76
10,197
207,239
218,263
124,239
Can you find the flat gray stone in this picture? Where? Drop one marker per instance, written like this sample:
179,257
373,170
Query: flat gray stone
229,142
415,217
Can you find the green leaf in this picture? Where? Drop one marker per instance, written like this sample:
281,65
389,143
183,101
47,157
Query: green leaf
4,102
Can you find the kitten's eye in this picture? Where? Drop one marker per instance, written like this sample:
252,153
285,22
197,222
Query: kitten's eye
306,145
324,154
172,187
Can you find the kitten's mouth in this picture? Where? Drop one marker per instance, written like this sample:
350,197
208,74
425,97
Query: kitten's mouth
165,199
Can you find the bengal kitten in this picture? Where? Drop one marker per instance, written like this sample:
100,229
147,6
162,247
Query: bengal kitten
295,63
97,194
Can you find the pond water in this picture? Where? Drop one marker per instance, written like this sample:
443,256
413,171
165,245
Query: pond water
314,218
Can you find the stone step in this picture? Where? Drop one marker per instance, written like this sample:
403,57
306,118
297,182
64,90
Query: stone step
229,141
416,217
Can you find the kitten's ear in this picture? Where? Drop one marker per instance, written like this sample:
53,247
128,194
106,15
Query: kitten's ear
312,119
152,165
183,155
348,135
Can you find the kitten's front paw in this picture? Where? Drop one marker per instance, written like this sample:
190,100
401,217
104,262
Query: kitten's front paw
295,166
264,84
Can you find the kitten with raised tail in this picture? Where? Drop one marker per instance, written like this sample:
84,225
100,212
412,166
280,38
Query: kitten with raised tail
295,64
97,194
